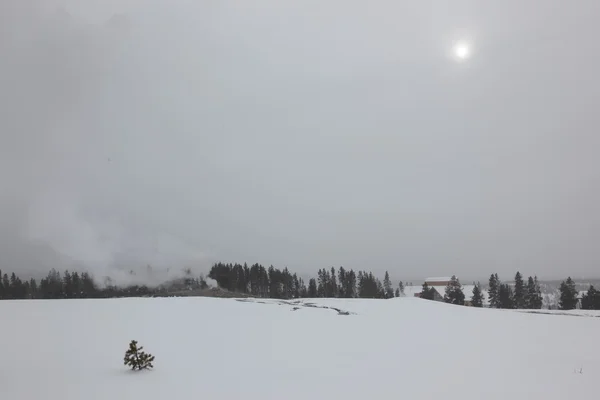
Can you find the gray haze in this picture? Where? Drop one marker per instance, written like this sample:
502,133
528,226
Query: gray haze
301,133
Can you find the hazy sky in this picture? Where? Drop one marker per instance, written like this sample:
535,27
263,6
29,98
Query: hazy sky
301,133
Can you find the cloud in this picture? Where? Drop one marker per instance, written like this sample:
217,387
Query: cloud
303,134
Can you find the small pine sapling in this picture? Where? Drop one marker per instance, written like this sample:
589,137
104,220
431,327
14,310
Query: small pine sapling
136,358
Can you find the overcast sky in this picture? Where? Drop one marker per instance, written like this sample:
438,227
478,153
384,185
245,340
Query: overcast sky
301,133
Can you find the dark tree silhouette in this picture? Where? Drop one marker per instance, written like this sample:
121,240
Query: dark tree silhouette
137,359
477,298
568,295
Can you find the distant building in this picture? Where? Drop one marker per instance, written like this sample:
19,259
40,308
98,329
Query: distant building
438,281
412,291
415,291
439,285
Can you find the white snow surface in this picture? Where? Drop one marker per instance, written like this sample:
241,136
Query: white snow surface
211,348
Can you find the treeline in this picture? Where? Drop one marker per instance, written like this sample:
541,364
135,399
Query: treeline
519,295
528,295
272,282
500,295
259,281
75,285
515,295
569,297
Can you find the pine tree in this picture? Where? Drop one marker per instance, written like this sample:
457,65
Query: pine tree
493,291
591,300
568,295
343,282
360,283
33,287
334,284
401,288
397,294
505,296
380,291
26,288
312,288
454,293
68,285
88,286
136,358
13,287
387,286
427,293
519,292
302,291
6,284
533,296
322,283
477,298
352,291
587,299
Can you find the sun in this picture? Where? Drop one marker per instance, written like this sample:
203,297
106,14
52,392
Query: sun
462,51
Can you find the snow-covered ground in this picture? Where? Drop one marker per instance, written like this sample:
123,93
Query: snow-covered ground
210,348
575,313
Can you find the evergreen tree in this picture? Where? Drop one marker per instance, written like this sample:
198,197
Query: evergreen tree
351,283
334,285
302,291
136,358
312,288
347,283
343,282
401,288
477,298
387,286
397,292
493,291
88,286
295,287
13,287
519,292
533,297
26,290
454,293
76,285
17,289
327,286
68,285
33,287
505,296
322,284
568,295
6,284
427,293
591,300
380,293
360,284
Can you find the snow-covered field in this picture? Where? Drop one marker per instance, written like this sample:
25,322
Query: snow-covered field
573,313
209,348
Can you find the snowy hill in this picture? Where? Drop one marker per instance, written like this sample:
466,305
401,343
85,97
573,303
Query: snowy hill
265,349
